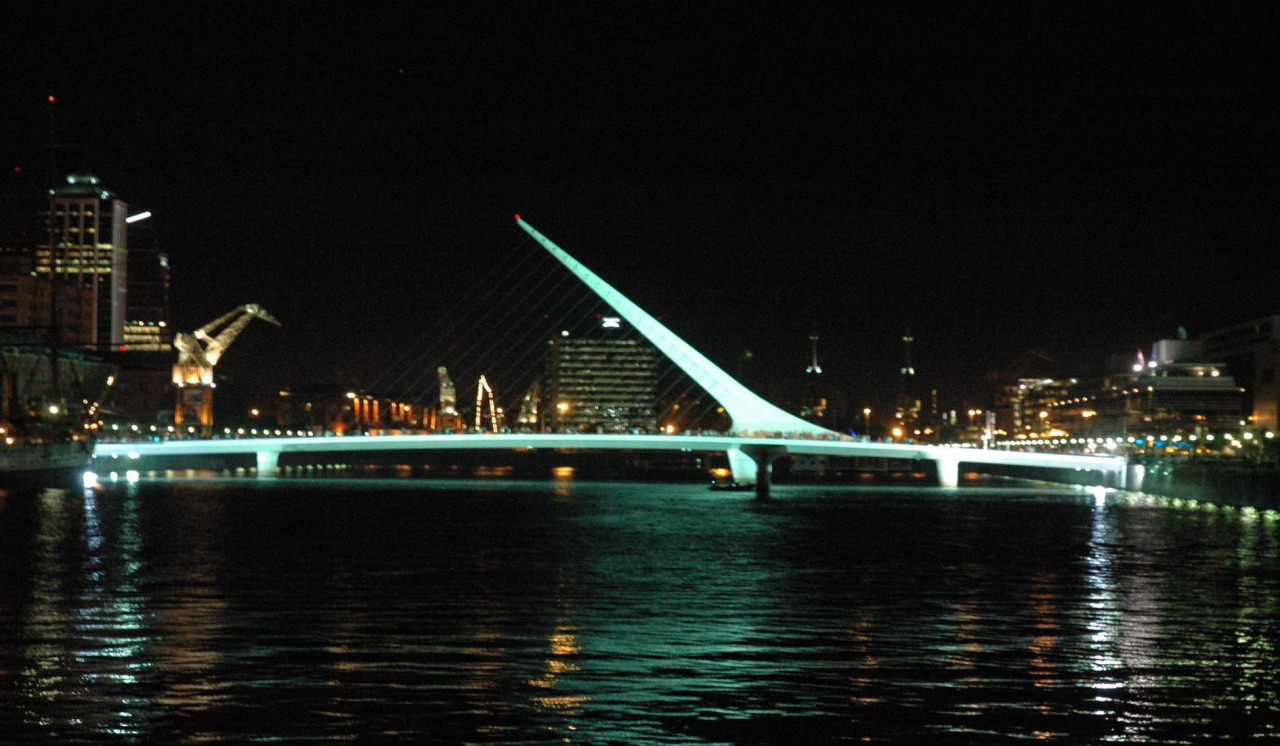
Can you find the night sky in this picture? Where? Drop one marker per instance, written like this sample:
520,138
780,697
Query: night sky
1048,179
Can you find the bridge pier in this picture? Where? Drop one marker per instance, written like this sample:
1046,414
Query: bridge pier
948,467
753,465
1131,478
268,463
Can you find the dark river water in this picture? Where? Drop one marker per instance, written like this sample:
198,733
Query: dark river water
600,613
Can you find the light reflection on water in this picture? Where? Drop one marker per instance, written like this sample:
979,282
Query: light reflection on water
595,613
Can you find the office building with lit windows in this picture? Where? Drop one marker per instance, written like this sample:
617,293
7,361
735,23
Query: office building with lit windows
600,385
1028,408
85,244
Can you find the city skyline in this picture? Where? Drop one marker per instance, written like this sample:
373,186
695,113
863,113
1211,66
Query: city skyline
1078,185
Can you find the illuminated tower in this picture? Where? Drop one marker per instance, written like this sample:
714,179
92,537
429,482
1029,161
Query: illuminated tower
447,416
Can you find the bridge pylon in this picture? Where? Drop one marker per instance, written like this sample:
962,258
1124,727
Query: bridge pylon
750,413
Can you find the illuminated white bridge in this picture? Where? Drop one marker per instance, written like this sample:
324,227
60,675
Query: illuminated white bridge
948,462
750,457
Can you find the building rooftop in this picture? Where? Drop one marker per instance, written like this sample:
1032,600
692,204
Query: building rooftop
82,185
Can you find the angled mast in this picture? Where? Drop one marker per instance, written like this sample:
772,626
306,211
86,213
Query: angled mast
750,413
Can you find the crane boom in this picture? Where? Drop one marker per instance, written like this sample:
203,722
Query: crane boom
203,331
198,352
220,343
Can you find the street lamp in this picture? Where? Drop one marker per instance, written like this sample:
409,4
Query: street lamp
866,421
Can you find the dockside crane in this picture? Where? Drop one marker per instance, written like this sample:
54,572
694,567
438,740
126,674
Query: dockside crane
198,353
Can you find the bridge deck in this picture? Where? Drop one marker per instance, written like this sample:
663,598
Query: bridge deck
948,459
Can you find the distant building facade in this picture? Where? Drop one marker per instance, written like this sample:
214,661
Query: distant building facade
1028,407
27,302
1251,351
338,409
1172,393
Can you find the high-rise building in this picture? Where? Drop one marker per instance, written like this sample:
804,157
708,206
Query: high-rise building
85,243
600,385
907,406
147,322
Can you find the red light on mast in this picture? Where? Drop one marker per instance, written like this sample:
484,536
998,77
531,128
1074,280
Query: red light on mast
517,216
50,98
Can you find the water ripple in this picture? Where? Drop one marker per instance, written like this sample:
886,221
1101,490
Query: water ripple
616,613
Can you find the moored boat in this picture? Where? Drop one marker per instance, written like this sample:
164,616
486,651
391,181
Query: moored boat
49,402
28,463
